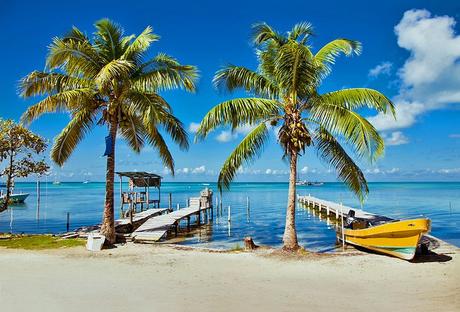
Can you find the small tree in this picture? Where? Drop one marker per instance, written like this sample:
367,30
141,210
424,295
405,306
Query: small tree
18,146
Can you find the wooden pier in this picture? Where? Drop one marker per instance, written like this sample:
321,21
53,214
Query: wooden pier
336,210
339,211
156,228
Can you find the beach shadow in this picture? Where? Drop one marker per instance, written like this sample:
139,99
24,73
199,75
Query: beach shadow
431,257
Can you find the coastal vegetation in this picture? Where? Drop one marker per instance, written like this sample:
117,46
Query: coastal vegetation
105,80
19,148
284,94
38,242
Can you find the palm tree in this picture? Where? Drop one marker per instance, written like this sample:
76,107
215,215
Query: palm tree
284,93
104,80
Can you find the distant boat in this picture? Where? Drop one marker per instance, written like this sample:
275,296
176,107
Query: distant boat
86,182
305,182
15,198
56,182
396,238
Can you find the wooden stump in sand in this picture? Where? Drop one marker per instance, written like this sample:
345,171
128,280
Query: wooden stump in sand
249,243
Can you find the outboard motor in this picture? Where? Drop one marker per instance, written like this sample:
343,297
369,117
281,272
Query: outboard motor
350,219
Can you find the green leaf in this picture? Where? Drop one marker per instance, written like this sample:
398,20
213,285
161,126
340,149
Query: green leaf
249,148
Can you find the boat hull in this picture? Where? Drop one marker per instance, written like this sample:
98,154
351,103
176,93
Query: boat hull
399,239
16,198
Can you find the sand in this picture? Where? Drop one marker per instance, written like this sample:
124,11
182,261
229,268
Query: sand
162,278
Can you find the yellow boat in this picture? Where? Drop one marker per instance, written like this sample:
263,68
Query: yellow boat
396,238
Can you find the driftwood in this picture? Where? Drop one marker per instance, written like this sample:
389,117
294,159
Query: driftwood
249,243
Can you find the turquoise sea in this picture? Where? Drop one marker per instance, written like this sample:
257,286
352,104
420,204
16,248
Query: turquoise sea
265,223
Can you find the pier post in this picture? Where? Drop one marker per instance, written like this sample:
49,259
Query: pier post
178,206
68,222
247,205
38,198
170,201
229,214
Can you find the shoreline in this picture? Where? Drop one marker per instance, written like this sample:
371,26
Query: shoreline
155,277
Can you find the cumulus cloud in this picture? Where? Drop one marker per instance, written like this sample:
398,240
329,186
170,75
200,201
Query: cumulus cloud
304,170
228,135
395,138
431,75
193,127
276,171
378,171
383,68
200,169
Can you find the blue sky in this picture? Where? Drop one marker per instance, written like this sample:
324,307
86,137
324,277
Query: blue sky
411,53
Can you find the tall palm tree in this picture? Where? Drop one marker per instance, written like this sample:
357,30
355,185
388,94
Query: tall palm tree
284,93
104,80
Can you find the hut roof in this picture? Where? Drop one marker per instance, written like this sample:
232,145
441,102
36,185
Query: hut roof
141,179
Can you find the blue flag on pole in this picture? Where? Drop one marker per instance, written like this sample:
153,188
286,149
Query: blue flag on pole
108,145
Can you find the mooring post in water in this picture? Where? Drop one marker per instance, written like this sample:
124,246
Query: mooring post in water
38,198
229,214
343,233
178,206
170,201
247,204
68,221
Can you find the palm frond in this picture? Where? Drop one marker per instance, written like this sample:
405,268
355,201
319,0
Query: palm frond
155,139
357,130
74,56
233,77
165,73
294,69
301,31
41,83
249,148
332,153
113,72
356,98
262,33
238,112
326,56
108,38
64,144
140,44
69,100
132,130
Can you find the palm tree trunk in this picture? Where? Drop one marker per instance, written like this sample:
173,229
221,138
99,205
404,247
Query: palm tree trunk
290,234
108,221
8,185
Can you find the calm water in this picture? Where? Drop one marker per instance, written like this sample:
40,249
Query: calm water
438,201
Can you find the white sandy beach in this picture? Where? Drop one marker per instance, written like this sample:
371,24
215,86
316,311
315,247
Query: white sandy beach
160,278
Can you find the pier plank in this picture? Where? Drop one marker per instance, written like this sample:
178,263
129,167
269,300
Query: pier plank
156,228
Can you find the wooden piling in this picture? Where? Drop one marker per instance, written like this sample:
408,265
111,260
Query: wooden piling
170,201
68,222
229,214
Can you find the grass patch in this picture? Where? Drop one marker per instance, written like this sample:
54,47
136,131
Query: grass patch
38,242
237,247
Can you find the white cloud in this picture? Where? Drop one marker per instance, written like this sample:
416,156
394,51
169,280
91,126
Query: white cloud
304,169
276,171
382,171
193,127
228,135
201,169
383,68
395,138
431,75
449,171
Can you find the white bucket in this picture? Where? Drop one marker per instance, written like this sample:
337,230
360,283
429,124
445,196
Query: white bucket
95,242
